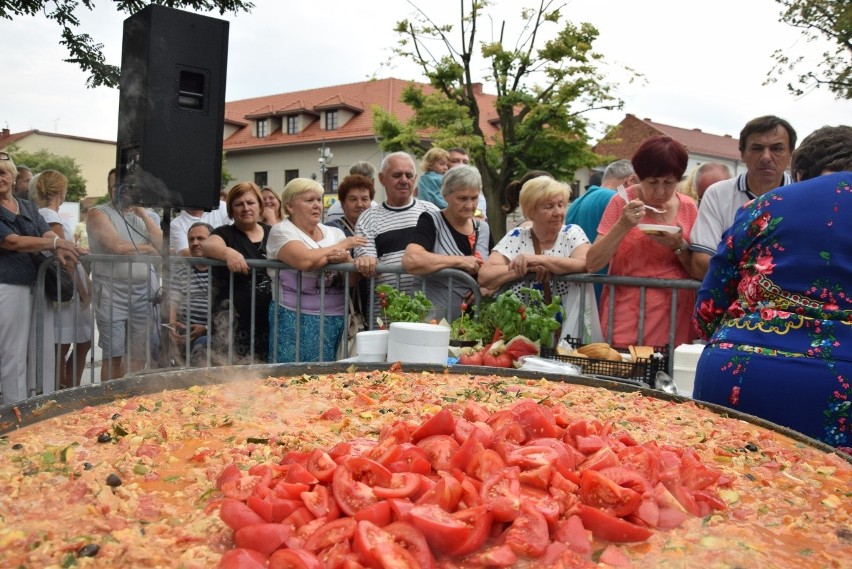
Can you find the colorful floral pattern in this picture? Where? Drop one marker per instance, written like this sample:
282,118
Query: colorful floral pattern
776,308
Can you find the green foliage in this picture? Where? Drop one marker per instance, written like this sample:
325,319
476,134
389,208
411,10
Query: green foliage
826,19
83,50
227,178
524,315
544,92
398,306
468,327
42,160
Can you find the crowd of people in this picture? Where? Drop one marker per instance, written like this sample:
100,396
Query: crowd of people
769,246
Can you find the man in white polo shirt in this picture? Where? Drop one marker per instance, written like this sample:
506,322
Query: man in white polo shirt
766,146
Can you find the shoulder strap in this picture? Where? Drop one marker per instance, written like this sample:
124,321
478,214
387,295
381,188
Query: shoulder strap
548,295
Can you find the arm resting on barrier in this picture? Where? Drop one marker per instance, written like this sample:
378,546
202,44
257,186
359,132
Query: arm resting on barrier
419,261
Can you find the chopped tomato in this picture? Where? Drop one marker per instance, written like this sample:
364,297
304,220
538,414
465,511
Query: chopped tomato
320,503
237,515
537,420
230,472
615,557
294,559
528,535
443,531
600,492
272,508
498,556
501,492
441,423
445,493
321,465
367,537
484,464
401,485
242,559
412,540
478,520
298,473
352,496
610,528
379,513
529,456
575,535
331,414
264,538
627,478
603,458
332,532
470,446
440,450
473,411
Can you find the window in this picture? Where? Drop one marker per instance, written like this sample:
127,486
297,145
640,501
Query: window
261,128
260,178
290,175
330,182
331,120
292,125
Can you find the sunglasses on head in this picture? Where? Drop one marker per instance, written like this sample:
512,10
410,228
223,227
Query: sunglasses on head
4,156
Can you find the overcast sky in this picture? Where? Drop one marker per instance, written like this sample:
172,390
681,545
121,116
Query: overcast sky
704,62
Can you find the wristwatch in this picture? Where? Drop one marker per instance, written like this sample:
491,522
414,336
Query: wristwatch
684,246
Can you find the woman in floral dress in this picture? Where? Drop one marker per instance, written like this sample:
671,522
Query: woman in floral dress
776,306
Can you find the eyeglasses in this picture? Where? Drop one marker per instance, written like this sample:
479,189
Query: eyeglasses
4,156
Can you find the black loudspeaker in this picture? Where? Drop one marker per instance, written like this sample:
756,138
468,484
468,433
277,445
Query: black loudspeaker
171,110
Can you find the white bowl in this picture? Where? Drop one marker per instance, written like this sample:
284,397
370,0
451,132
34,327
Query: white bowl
411,353
371,342
417,334
653,229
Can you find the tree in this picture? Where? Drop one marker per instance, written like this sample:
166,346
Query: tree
42,160
819,19
544,95
82,48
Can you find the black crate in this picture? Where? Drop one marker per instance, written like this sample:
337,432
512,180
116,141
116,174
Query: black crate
643,369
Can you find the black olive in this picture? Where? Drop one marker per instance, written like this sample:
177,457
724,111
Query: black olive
113,480
750,476
104,438
17,446
87,466
89,550
751,447
116,416
844,534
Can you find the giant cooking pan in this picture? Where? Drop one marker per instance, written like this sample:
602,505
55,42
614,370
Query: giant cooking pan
43,407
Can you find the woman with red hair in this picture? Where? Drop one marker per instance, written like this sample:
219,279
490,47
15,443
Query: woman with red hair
659,164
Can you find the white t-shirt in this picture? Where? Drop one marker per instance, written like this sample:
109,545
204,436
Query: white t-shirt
51,216
180,225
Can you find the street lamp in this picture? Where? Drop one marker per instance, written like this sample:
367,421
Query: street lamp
325,159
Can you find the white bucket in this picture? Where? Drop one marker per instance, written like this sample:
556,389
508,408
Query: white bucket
418,343
372,345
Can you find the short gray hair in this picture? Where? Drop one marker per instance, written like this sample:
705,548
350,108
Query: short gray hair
618,170
363,168
399,154
459,178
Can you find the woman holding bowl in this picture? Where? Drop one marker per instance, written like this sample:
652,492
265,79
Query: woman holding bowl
450,239
243,240
22,232
546,248
307,247
661,252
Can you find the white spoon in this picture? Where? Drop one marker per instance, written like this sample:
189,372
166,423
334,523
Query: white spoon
623,193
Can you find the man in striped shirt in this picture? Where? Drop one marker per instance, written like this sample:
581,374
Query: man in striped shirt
389,226
190,291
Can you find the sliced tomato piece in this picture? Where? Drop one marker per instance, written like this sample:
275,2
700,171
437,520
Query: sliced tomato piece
367,537
237,515
537,477
351,495
387,452
321,503
321,465
336,555
441,423
498,556
600,492
242,559
391,555
290,490
443,531
501,492
440,450
573,533
298,518
627,478
485,463
412,540
332,532
603,458
264,538
413,459
695,475
294,559
379,513
401,485
528,535
614,557
473,411
537,420
533,456
272,508
230,472
610,528
478,520
445,493
298,473
590,444
644,459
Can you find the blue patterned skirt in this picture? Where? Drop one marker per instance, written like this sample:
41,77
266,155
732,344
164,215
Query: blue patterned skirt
309,350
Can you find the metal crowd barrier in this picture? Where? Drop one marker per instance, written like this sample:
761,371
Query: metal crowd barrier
158,336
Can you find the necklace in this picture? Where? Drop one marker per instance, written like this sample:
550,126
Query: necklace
17,206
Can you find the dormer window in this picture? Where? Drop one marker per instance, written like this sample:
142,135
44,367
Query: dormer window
331,120
292,124
262,128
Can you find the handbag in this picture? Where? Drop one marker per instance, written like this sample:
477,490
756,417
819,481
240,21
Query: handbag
65,290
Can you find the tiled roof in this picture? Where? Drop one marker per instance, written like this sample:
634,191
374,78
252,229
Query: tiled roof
623,141
359,98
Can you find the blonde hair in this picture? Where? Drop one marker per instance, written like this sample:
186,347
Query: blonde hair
295,188
279,211
432,157
687,185
539,189
46,185
9,166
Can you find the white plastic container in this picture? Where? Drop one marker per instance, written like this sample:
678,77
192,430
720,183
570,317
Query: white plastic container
418,343
372,345
684,365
